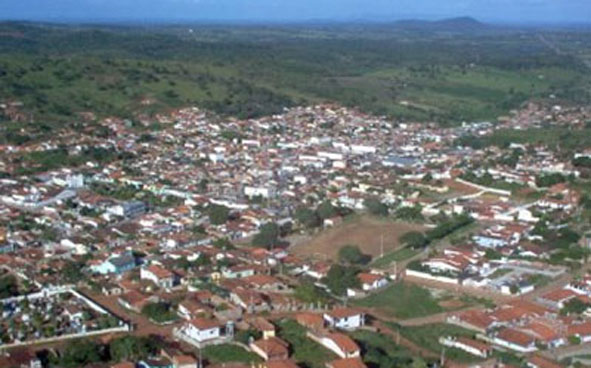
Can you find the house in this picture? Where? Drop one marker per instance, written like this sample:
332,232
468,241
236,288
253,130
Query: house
372,281
581,330
135,301
264,326
116,264
123,365
158,275
556,299
344,318
238,271
202,329
537,361
280,364
341,344
184,361
468,345
191,308
272,348
346,363
515,340
156,363
311,321
128,209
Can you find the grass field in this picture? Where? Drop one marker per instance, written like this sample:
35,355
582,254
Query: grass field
218,354
428,336
398,255
380,351
304,351
364,231
403,300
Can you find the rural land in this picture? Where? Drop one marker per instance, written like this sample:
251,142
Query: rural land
325,195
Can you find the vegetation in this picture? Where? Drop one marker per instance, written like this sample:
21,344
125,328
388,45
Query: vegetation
403,300
427,336
340,278
375,207
218,215
398,255
305,351
159,312
381,351
352,255
132,348
268,236
8,286
414,239
226,353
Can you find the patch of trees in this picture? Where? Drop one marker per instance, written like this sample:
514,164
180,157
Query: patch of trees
8,286
218,215
159,312
548,180
340,278
414,239
310,218
268,236
410,213
375,207
352,255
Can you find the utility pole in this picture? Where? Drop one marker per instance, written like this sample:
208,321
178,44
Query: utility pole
382,246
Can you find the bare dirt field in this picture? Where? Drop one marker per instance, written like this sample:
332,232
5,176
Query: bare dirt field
365,232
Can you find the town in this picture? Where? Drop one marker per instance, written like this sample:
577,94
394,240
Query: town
319,237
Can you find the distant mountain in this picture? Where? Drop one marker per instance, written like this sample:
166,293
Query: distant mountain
461,24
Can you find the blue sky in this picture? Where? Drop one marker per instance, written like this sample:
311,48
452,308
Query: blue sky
554,11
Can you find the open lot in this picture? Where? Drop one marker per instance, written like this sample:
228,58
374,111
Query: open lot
404,300
365,232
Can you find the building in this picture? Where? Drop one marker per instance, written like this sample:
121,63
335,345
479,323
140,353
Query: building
159,276
344,318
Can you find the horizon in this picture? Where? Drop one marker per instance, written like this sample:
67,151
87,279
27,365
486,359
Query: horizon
524,12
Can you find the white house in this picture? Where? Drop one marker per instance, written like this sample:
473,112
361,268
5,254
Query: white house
344,318
159,276
341,344
202,329
372,281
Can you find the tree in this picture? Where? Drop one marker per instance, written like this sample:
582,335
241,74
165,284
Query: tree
132,348
80,353
574,306
410,213
218,215
268,235
340,278
8,286
351,254
72,272
159,312
414,239
307,217
326,210
376,207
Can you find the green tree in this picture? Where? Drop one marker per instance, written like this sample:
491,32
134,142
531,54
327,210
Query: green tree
268,235
218,215
340,278
352,255
80,353
132,348
307,217
326,210
375,207
414,239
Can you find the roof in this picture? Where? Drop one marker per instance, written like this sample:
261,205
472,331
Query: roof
540,362
204,323
123,365
515,336
273,346
347,363
184,359
369,278
309,319
559,295
580,329
344,342
474,343
282,364
343,313
159,272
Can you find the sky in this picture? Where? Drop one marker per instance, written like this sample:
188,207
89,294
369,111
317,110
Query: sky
506,11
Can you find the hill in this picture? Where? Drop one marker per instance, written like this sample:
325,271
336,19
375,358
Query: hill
58,71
